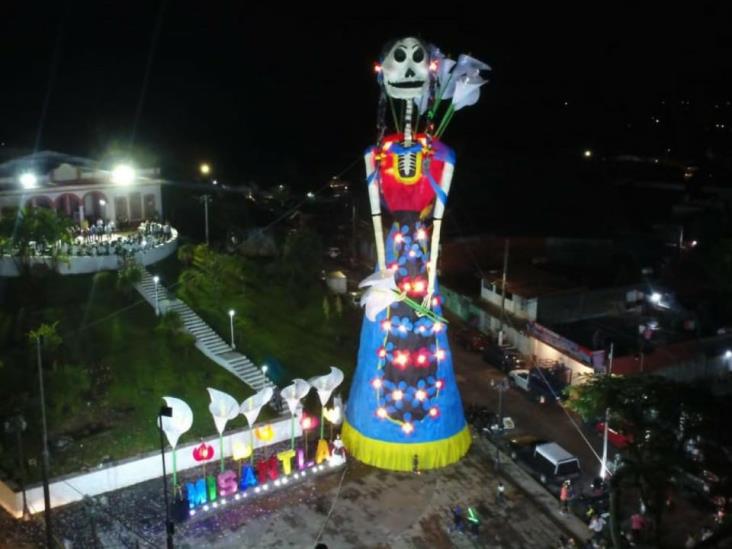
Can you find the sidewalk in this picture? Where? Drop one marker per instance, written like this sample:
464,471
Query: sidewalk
571,524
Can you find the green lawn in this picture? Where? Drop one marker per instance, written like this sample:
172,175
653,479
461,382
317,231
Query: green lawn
105,382
109,377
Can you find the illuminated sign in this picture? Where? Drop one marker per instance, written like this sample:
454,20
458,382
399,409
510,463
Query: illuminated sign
274,472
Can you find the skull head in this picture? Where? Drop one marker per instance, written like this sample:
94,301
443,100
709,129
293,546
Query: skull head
405,69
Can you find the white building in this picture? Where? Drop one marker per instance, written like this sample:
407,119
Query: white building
79,187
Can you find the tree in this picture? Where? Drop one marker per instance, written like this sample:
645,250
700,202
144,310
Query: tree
50,340
128,275
650,411
302,261
31,229
172,329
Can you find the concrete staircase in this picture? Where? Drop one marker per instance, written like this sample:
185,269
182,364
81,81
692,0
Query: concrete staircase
207,341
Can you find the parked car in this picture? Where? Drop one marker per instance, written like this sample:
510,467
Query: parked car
472,339
546,461
538,383
616,435
500,358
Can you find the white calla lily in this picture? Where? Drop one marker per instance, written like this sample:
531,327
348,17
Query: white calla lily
381,294
251,407
294,393
179,422
325,385
223,407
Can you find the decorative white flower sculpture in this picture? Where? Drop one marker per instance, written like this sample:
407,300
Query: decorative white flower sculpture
293,394
174,426
382,292
325,385
223,407
251,407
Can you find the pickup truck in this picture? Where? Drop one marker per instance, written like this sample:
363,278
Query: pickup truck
537,383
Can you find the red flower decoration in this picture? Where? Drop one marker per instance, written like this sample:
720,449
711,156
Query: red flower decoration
422,358
204,452
308,422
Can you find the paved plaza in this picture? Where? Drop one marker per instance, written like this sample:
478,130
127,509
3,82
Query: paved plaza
354,506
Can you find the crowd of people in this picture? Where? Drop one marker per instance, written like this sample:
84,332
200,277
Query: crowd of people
101,239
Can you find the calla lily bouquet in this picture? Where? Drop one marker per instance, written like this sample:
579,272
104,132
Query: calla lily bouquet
459,81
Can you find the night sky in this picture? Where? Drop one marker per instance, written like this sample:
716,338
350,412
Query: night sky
264,99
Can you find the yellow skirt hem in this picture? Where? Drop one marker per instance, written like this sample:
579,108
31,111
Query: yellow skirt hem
400,457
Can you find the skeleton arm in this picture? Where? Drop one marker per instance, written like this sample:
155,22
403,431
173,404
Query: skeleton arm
438,212
375,201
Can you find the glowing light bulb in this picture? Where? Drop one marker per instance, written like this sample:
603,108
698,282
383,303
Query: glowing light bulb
419,286
440,354
437,325
421,359
421,234
381,412
376,383
398,238
439,384
403,328
433,412
397,395
386,325
407,428
420,395
382,352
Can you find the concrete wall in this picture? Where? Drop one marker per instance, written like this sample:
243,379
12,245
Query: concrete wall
517,305
463,307
71,488
93,264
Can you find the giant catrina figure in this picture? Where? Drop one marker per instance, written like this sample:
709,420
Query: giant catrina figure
404,408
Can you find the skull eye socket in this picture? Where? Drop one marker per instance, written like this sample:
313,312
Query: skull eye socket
400,55
418,55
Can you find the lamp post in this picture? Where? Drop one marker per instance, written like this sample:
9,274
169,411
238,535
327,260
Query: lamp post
502,386
206,199
44,461
156,280
166,411
603,470
231,325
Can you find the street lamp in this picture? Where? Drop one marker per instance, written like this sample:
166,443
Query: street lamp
156,279
165,411
587,153
123,174
204,168
264,369
231,324
502,386
28,180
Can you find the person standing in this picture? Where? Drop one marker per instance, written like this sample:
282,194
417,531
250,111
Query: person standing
637,523
564,497
500,494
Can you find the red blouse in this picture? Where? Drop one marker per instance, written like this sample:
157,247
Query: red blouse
416,193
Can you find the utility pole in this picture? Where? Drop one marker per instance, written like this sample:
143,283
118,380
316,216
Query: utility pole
501,387
503,292
604,471
44,449
206,198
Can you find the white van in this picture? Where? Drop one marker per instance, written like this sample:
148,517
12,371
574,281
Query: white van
555,463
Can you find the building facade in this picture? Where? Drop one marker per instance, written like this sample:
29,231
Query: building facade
79,188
